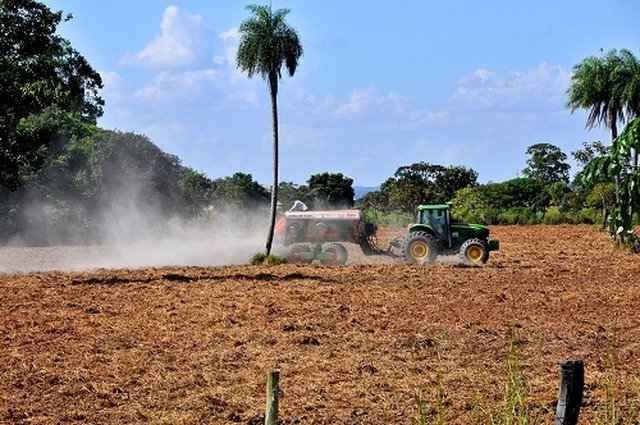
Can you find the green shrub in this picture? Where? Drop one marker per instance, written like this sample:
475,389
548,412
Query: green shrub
517,215
495,216
389,218
262,259
553,215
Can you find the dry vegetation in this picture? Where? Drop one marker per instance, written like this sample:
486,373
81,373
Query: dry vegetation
373,342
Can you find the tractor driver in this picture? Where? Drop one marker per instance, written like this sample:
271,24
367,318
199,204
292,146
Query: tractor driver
436,219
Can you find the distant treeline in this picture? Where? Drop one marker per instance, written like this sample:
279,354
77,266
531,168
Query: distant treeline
91,179
97,176
544,194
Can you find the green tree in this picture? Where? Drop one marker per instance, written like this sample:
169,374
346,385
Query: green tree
583,157
555,193
197,190
583,194
330,190
128,171
424,183
267,43
609,88
375,200
239,191
603,197
288,193
521,192
547,164
451,179
93,184
589,151
39,72
615,167
513,201
472,204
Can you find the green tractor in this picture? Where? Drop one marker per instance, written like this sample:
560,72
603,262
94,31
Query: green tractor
436,234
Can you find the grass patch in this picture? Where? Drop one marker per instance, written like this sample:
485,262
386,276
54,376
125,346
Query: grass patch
613,411
262,259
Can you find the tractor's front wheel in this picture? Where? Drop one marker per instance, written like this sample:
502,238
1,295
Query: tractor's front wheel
474,251
418,248
338,254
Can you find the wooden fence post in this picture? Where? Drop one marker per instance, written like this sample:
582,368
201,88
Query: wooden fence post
273,390
570,395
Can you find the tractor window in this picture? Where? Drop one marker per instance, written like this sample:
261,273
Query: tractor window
439,221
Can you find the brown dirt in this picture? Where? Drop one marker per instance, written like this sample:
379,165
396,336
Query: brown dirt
367,343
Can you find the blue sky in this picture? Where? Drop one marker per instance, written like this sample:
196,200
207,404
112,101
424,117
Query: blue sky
381,84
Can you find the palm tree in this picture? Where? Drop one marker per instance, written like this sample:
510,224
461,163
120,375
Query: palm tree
609,87
267,43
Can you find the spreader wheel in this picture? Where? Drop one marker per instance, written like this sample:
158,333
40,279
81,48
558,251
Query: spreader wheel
418,248
474,251
338,253
300,254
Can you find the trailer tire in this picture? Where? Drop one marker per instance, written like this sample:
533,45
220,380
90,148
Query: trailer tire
418,248
340,255
474,251
293,254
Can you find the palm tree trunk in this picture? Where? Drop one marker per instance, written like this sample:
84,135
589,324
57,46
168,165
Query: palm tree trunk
274,184
614,136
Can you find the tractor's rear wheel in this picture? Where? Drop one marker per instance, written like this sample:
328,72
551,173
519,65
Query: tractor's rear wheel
474,251
338,253
419,247
300,254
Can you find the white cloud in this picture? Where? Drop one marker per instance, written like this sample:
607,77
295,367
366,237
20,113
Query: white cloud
230,34
178,44
543,86
115,87
389,112
169,87
111,79
230,39
358,102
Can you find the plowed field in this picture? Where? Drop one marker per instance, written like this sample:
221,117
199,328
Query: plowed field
372,342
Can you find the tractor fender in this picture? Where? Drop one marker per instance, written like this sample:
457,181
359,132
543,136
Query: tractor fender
422,228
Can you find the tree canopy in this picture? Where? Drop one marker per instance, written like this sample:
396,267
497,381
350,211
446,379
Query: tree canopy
420,183
239,192
547,164
91,183
608,87
614,166
40,73
330,190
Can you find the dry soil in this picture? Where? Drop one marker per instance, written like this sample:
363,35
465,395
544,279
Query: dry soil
372,342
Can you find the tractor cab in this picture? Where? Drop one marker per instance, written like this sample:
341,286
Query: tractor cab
434,220
437,218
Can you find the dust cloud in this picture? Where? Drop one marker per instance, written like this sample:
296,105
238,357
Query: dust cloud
206,248
179,245
134,235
